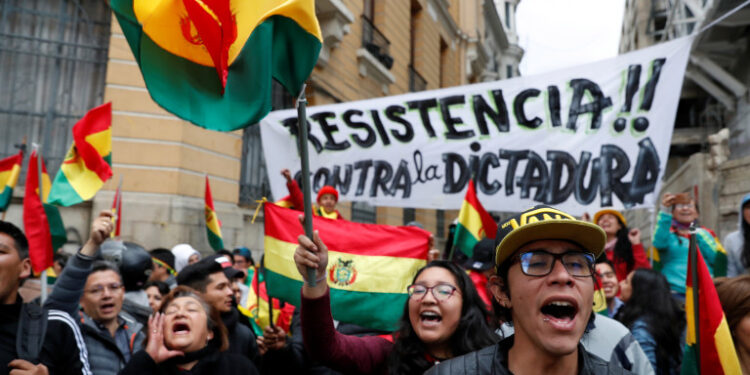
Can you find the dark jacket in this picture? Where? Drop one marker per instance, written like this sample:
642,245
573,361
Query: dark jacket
493,360
212,363
63,350
241,338
105,357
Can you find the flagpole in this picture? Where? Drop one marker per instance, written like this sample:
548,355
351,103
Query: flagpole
118,197
302,144
43,278
693,254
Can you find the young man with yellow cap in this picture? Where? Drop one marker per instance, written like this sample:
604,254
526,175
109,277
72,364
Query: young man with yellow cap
545,287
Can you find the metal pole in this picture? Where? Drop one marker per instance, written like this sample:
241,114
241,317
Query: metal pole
43,279
693,254
304,156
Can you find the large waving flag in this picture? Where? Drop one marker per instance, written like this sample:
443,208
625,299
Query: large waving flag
717,354
88,163
211,61
474,223
213,226
42,222
10,169
369,265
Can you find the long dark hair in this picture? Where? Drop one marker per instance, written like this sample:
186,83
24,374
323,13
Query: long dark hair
623,247
651,301
473,333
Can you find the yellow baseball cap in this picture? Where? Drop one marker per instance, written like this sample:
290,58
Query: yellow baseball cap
617,214
546,223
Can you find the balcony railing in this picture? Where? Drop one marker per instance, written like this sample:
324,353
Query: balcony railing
376,43
416,81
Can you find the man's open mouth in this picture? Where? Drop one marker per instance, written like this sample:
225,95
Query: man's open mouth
560,312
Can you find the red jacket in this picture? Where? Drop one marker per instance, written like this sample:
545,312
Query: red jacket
640,260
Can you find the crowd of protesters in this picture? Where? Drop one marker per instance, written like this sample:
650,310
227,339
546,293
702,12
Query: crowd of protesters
522,303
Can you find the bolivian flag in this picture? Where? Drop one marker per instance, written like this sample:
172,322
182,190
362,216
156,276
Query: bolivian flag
211,62
258,309
474,223
87,165
717,354
42,222
213,226
10,169
369,266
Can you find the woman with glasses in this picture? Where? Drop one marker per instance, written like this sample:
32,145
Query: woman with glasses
443,318
654,319
672,240
623,248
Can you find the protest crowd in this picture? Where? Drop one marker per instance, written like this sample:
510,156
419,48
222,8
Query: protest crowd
509,307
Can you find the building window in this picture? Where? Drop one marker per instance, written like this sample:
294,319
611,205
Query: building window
253,176
53,56
362,212
409,215
509,71
373,39
443,62
440,220
508,7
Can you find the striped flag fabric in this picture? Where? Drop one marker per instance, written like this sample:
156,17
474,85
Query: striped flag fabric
42,222
211,62
213,225
717,354
257,308
88,163
10,169
369,265
474,223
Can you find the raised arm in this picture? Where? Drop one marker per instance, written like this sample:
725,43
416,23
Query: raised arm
69,285
348,354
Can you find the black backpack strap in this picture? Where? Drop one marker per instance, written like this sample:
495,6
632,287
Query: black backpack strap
32,327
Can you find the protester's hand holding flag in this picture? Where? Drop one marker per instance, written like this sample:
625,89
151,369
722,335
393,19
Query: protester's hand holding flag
369,266
211,62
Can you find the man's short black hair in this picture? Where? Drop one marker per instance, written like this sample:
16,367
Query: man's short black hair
105,265
21,243
197,274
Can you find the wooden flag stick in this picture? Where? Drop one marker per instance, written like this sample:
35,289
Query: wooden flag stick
116,208
305,159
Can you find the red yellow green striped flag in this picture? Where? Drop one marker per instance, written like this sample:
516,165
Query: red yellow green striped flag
369,265
213,225
474,223
88,163
10,169
211,62
42,222
717,354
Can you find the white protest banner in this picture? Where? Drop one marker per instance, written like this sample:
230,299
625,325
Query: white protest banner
582,138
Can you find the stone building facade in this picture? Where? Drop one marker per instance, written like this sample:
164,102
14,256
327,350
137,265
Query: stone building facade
710,152
371,48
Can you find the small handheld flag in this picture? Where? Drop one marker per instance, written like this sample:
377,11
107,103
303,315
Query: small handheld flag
42,222
10,169
474,223
87,165
213,226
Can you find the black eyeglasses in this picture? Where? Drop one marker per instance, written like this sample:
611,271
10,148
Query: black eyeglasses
441,292
541,262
